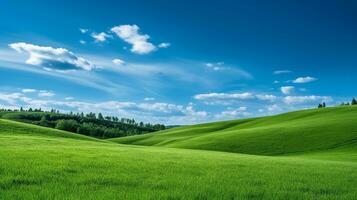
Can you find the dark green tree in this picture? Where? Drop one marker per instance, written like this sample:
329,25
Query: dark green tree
67,125
354,101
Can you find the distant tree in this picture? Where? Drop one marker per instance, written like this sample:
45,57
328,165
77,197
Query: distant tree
67,125
319,106
30,109
44,118
323,104
21,109
100,116
354,101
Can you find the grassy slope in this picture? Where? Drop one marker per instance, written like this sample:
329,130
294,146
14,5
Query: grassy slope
18,128
35,164
290,133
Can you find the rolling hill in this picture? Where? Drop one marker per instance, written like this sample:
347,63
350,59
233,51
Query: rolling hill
301,132
44,163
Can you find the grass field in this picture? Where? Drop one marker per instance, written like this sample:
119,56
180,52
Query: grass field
308,154
298,132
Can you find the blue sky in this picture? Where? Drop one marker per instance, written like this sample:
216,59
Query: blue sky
177,62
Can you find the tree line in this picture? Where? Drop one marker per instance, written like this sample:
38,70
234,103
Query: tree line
353,102
91,124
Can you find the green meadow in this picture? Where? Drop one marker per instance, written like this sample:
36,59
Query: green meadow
309,154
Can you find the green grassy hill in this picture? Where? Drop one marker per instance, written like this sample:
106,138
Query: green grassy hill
301,132
21,129
42,163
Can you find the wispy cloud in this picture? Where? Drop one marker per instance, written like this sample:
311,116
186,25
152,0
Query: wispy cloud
164,45
233,113
28,90
149,99
118,61
234,96
306,99
277,72
44,93
83,30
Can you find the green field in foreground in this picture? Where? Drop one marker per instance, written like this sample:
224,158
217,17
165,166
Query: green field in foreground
41,163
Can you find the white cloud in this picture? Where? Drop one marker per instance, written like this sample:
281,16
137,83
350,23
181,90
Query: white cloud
218,66
157,112
164,45
100,37
231,113
277,72
235,96
149,99
287,89
306,79
245,95
273,108
118,61
83,30
82,42
11,98
276,82
44,93
305,99
266,97
131,35
28,90
59,59
69,98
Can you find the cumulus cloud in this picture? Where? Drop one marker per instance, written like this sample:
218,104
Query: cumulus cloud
50,58
306,79
118,61
100,37
149,99
131,35
69,98
82,42
306,99
287,89
164,45
277,72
